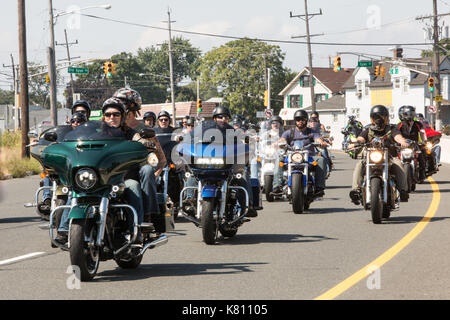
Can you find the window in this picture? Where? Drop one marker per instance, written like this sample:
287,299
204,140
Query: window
304,81
366,88
355,112
397,83
335,117
321,97
295,101
359,86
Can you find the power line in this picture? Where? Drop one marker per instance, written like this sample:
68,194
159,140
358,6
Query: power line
258,39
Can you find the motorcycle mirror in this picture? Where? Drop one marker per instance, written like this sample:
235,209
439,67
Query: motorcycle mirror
147,133
51,136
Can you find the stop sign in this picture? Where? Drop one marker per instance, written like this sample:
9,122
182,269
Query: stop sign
268,113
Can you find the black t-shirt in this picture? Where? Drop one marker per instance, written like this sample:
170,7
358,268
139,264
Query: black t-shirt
412,132
388,134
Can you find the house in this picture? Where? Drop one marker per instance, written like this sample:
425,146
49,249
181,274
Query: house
327,83
401,82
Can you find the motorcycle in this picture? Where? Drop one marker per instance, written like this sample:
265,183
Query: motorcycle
58,192
269,161
301,187
92,161
222,202
410,161
430,157
380,193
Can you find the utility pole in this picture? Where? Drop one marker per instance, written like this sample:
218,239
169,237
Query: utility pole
52,68
15,73
23,78
308,37
172,93
68,59
268,88
436,67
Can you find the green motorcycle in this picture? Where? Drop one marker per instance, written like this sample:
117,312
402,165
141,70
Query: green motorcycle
92,161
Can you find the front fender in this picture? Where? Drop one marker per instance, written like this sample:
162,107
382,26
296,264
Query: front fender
79,211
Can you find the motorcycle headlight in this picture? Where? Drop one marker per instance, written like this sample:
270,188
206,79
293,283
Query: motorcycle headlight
297,157
407,153
85,178
152,159
210,162
429,145
376,156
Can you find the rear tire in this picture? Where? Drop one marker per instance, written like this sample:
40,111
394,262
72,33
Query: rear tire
376,202
298,198
207,222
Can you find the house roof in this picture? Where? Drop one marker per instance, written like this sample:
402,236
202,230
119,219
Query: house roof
335,103
334,81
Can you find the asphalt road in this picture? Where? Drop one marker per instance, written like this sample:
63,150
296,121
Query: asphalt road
278,255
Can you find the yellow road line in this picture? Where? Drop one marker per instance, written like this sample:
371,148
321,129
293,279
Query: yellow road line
389,254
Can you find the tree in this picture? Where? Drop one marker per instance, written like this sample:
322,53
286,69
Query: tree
443,44
239,67
6,97
38,86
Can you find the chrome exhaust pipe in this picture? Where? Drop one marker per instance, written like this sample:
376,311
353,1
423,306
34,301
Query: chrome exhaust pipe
152,245
192,219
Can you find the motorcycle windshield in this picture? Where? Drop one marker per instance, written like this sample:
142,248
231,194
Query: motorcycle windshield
94,131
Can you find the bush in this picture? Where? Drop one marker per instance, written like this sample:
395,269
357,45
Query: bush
11,139
11,163
446,130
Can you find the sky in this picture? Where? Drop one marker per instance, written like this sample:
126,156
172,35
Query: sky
341,22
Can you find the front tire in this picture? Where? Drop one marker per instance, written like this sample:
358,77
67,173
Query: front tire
84,254
268,188
297,190
207,222
409,176
376,202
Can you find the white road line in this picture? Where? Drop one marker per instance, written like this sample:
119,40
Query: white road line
24,257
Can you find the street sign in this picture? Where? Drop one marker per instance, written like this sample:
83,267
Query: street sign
438,99
393,70
268,113
365,64
432,109
78,70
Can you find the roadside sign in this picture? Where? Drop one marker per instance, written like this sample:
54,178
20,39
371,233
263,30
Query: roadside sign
438,98
78,70
365,63
268,113
432,109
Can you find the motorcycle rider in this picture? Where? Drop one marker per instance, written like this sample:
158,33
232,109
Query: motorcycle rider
412,130
314,123
132,100
77,119
431,134
302,131
380,127
82,106
149,119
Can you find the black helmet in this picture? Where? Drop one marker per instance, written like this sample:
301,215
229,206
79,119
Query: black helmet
409,113
379,117
276,119
301,114
164,113
221,110
78,116
129,96
82,103
114,103
149,114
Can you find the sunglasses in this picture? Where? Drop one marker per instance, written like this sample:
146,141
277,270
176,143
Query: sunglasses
76,121
221,116
300,119
163,119
112,114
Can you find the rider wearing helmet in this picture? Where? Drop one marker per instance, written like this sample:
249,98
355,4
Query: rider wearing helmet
149,119
78,118
413,130
301,131
82,106
381,128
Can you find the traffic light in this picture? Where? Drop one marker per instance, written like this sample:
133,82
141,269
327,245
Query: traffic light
105,67
109,69
377,71
382,71
199,105
431,84
337,64
266,98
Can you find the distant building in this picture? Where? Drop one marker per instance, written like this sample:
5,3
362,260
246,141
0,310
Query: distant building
182,109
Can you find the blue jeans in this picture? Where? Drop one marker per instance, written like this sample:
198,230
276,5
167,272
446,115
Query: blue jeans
46,193
437,152
148,189
254,168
